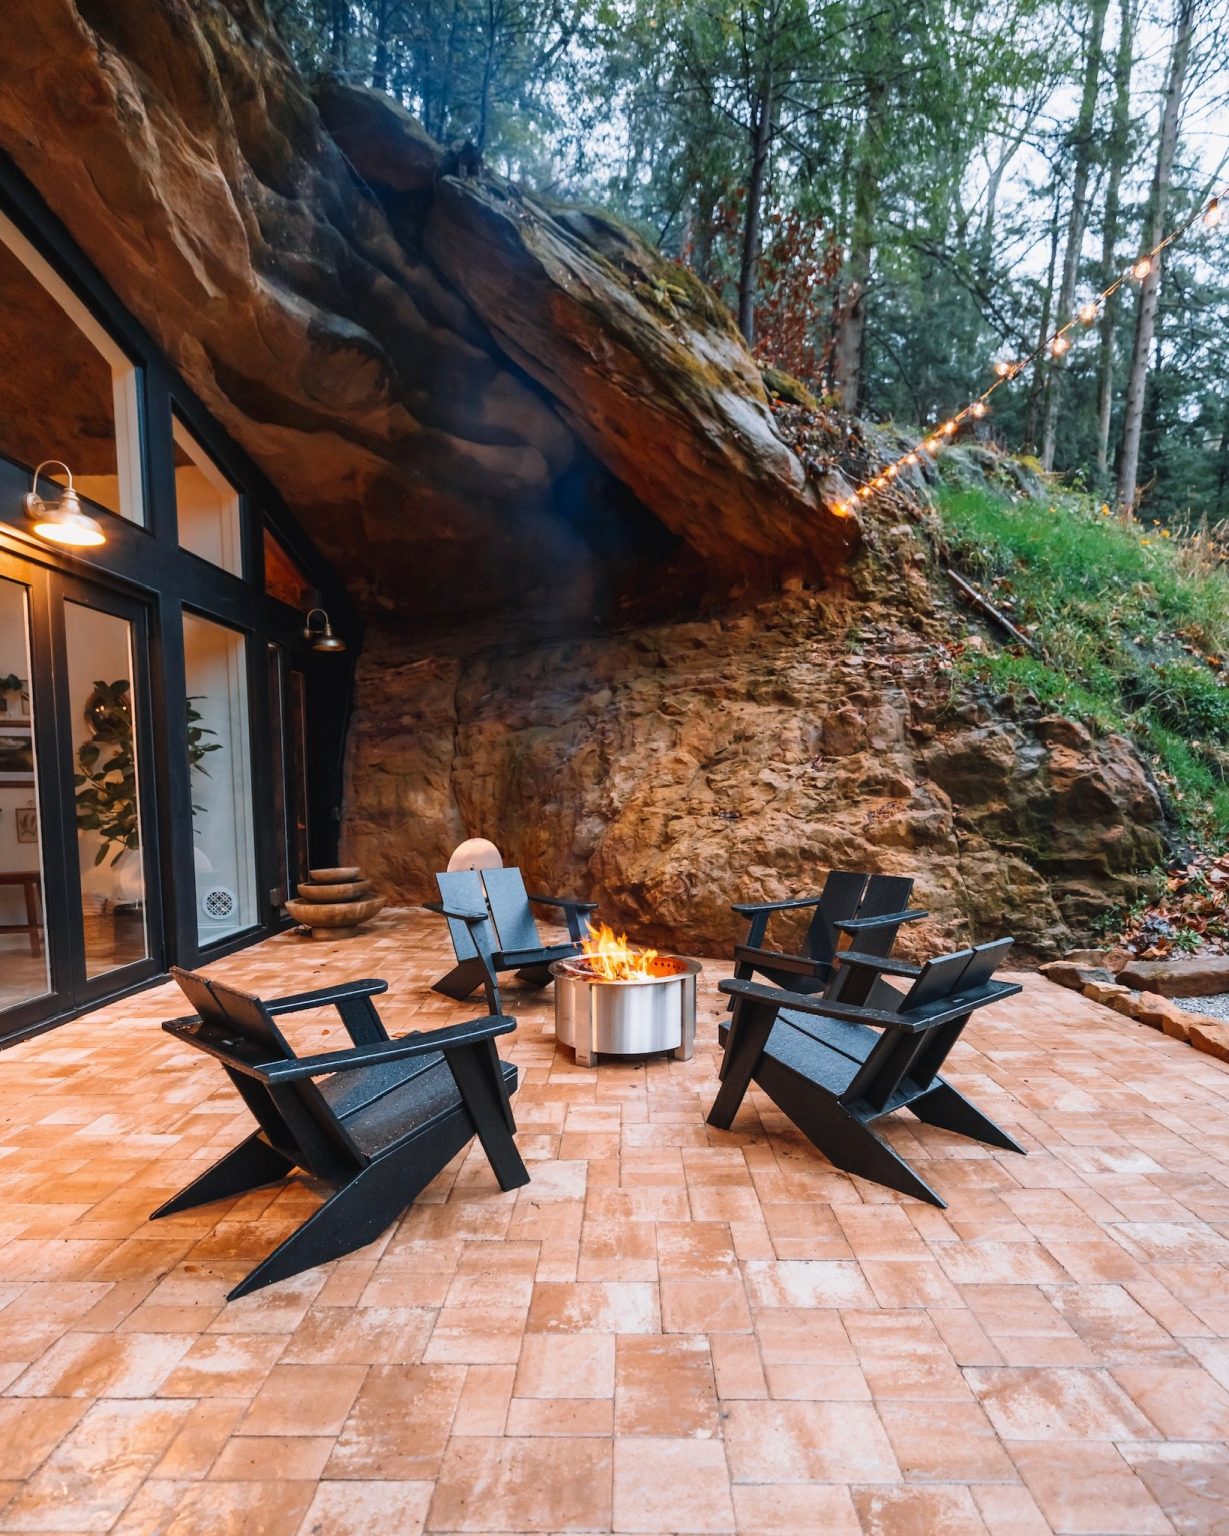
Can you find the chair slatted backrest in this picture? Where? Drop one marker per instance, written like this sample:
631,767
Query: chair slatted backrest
937,1043
884,895
295,1117
895,1052
509,903
462,889
837,901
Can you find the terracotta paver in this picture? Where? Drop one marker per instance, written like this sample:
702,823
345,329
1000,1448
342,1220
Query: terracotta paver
670,1329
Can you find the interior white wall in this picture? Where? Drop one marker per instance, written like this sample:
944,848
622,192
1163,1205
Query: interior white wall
207,506
215,664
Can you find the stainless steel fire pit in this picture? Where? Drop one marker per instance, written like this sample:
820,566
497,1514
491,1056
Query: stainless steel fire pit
597,1016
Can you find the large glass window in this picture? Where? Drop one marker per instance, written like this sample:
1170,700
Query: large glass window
23,953
102,711
67,391
219,756
207,505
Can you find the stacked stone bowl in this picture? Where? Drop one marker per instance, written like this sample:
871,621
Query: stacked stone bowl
334,903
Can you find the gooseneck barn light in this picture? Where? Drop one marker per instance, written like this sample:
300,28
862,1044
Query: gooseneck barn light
62,521
321,635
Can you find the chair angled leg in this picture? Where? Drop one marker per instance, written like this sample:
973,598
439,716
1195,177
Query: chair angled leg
847,1142
355,1214
535,975
464,979
749,1031
249,1165
945,1107
479,1079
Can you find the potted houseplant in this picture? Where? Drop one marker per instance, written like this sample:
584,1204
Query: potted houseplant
106,778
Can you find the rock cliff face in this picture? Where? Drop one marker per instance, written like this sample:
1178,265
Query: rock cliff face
671,770
442,376
479,403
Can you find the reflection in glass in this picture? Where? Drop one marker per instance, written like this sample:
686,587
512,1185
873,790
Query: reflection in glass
215,660
207,505
23,957
289,772
67,391
101,707
283,578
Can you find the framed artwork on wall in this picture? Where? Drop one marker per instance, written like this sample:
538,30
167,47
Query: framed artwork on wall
14,698
16,753
25,819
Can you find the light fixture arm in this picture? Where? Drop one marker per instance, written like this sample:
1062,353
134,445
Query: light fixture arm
33,500
322,636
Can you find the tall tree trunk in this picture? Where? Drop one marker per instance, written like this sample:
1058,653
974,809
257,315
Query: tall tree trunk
1119,137
339,33
1145,317
1083,135
761,144
849,346
1036,393
379,58
488,74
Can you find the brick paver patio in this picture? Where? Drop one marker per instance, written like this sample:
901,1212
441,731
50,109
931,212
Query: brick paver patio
669,1329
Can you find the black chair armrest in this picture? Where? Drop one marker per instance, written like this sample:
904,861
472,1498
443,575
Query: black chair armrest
778,960
750,908
566,902
883,963
324,997
755,992
463,914
911,1023
887,920
514,959
448,1039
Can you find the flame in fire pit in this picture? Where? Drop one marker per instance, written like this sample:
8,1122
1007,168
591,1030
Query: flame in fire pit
614,959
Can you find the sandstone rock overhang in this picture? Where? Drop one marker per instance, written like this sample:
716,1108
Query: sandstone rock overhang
441,375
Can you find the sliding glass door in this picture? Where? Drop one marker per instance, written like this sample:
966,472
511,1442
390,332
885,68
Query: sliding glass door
25,974
79,908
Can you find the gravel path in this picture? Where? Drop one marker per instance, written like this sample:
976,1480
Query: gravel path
1216,1006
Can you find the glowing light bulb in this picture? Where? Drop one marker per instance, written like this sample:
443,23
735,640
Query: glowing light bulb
1087,313
911,458
1142,268
1004,369
948,427
1059,346
979,408
891,471
1213,214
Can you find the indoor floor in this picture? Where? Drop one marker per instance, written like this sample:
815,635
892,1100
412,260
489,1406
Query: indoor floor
670,1329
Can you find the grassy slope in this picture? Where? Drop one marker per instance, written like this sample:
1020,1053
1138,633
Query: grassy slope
1131,624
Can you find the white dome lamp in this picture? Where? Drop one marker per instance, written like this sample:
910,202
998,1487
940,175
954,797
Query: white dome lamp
63,521
475,853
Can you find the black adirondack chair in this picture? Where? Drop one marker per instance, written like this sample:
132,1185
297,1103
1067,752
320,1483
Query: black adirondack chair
377,1121
870,909
491,924
835,1067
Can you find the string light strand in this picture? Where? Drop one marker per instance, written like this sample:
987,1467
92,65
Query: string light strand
1056,344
